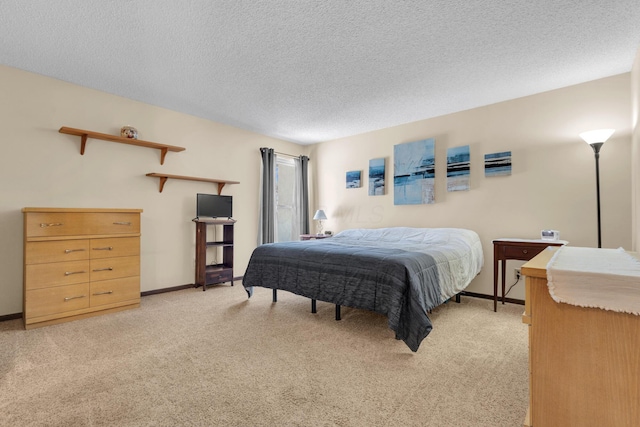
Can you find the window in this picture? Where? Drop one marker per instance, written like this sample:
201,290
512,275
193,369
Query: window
287,216
284,197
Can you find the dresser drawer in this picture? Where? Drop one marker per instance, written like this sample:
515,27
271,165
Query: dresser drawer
523,253
112,268
52,224
56,251
39,276
59,299
59,224
113,223
115,247
116,290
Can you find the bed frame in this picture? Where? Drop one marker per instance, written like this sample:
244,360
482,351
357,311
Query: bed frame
338,315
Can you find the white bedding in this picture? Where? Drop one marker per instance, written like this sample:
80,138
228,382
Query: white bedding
457,251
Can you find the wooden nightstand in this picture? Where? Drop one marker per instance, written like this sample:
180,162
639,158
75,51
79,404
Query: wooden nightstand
314,236
515,249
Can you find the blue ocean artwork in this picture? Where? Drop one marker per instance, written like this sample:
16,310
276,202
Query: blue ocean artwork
353,179
376,177
458,168
414,172
497,164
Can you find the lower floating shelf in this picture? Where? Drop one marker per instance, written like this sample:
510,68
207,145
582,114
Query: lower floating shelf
163,178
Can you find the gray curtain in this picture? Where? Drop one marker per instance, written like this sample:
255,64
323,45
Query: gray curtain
267,224
303,185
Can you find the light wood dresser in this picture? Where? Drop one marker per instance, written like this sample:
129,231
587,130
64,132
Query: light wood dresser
584,363
79,263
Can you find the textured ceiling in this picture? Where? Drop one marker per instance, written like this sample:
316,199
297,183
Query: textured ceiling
309,71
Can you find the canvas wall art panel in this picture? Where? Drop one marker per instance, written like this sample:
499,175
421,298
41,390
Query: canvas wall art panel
414,172
497,164
353,179
458,168
376,177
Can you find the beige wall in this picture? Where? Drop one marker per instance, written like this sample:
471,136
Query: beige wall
41,167
552,184
635,128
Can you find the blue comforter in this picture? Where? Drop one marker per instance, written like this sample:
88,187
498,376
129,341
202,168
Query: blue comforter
400,284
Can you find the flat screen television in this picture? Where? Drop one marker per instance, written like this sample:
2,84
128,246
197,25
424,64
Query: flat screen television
214,206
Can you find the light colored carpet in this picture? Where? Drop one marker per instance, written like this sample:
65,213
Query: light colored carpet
215,358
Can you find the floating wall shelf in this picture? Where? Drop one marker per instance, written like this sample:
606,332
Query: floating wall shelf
84,134
163,178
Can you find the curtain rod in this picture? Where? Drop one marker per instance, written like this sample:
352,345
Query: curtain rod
288,155
284,154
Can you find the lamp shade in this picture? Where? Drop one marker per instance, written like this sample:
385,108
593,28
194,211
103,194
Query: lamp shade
320,215
598,135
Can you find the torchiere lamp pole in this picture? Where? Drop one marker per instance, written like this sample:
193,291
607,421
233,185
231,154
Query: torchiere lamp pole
596,138
596,150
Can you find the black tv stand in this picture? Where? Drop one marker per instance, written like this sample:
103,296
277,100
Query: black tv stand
214,273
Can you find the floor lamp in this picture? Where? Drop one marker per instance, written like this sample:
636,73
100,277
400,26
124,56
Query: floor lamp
596,138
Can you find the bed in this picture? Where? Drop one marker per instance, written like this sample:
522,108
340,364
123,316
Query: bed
400,272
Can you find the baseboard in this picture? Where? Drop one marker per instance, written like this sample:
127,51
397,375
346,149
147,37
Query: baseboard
13,316
163,290
177,288
485,296
239,278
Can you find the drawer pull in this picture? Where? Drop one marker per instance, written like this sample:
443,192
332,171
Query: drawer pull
68,251
108,248
104,269
524,251
103,293
51,224
121,223
76,297
69,273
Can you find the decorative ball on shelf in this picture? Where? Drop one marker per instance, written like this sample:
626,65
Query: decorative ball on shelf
129,132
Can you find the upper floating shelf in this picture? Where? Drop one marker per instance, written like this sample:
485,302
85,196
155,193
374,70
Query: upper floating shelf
163,178
84,134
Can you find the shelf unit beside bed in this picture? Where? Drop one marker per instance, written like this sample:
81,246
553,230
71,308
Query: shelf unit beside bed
214,273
